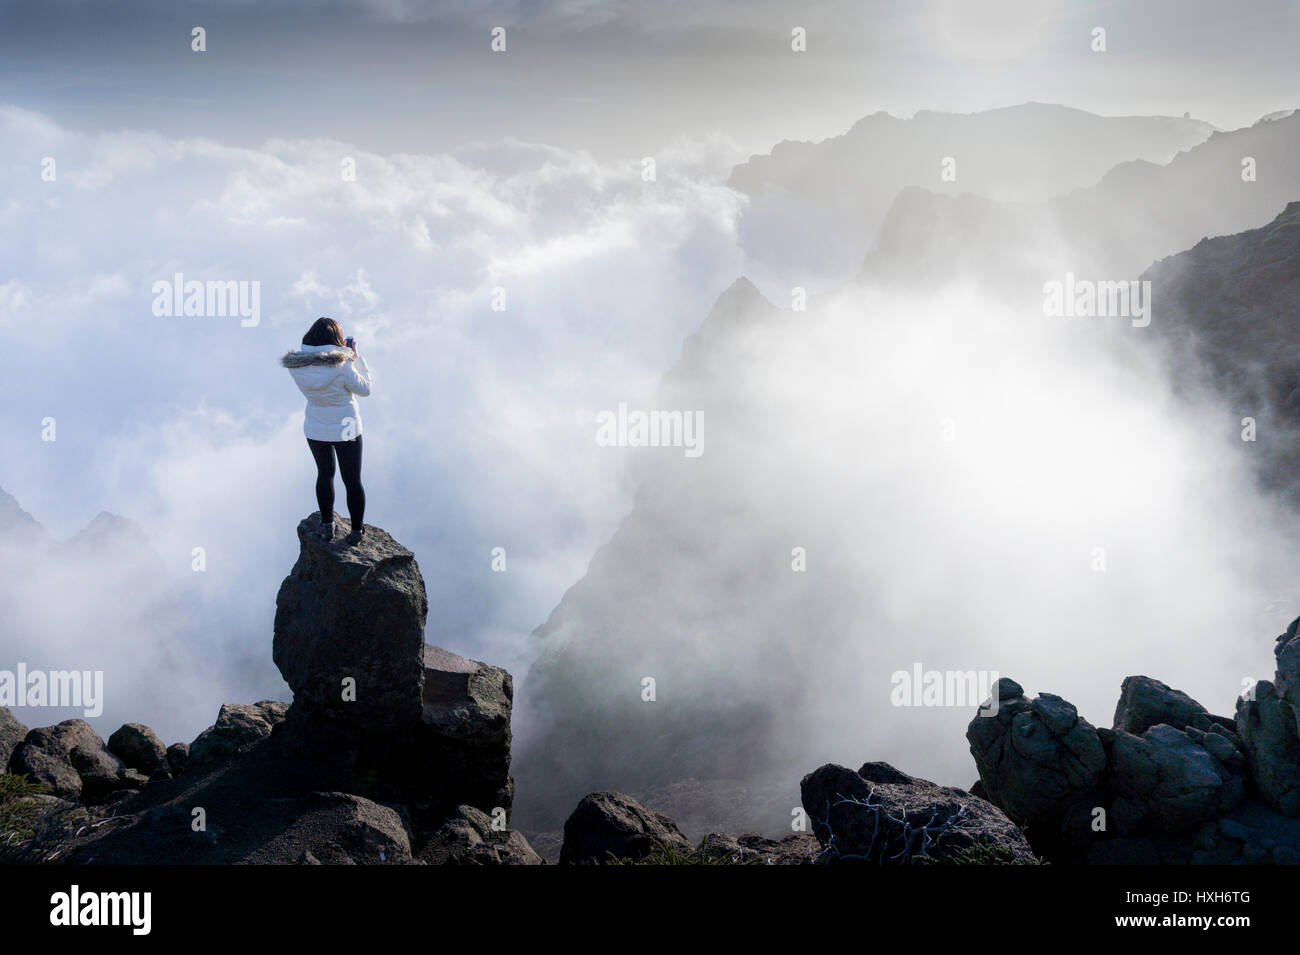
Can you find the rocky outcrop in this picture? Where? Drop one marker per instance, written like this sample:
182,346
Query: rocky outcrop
238,725
140,749
1037,760
1144,703
71,759
392,751
469,837
607,824
371,699
349,631
880,815
1169,782
1267,725
340,829
1287,676
12,732
178,757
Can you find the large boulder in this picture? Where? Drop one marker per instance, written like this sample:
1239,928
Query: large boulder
246,818
178,757
70,758
421,762
237,726
140,748
881,815
12,732
372,700
1175,784
1287,677
340,829
468,837
1267,727
1166,782
1144,703
608,824
1039,761
349,630
465,700
464,732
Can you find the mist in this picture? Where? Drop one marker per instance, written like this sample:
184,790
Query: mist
477,431
920,469
937,479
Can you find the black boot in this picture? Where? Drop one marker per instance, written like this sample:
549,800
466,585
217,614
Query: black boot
358,532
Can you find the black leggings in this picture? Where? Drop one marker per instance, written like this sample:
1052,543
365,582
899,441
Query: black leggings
349,455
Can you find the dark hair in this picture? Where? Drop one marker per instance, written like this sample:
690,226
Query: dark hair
324,331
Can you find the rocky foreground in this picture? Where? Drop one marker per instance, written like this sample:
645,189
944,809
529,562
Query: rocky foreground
397,752
1169,782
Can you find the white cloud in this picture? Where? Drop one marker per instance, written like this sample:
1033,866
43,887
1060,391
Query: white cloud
474,434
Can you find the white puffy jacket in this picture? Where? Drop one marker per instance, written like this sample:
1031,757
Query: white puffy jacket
331,376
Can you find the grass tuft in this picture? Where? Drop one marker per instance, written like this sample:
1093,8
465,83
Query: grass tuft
19,814
663,854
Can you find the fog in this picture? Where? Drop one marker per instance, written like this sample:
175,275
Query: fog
920,469
478,432
977,486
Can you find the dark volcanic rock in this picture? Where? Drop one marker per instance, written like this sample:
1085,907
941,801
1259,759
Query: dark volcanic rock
71,760
878,772
425,762
605,824
1287,678
340,829
1267,725
12,733
464,700
178,757
139,748
1176,784
1167,783
256,808
238,725
902,820
432,726
468,838
102,773
349,630
1252,834
1038,761
1144,702
464,730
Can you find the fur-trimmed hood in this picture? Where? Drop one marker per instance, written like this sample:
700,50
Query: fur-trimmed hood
304,359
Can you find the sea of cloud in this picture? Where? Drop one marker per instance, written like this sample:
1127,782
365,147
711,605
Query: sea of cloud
480,430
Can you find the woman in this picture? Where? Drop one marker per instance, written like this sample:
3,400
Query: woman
326,370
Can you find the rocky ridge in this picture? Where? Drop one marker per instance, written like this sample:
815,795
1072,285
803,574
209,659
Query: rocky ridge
1167,782
397,752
